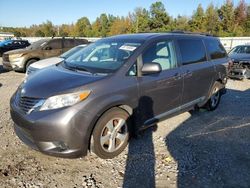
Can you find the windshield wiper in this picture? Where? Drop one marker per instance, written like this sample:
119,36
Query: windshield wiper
76,68
68,67
83,69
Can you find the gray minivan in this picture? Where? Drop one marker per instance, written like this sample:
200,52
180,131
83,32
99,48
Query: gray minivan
96,98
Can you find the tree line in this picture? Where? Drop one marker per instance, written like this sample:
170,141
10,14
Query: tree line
226,20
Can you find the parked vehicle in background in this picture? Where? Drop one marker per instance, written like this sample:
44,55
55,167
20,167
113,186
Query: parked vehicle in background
2,43
94,99
20,60
52,60
12,45
240,56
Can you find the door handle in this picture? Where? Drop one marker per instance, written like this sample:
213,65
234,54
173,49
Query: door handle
188,73
177,76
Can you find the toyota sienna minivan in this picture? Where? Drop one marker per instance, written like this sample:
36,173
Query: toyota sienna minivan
93,100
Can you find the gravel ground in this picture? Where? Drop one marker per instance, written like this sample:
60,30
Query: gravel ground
199,149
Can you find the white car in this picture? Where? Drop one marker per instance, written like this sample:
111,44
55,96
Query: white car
53,60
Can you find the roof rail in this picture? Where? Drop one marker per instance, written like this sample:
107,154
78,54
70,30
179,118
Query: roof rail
190,33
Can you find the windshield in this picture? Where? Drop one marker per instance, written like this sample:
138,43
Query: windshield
71,51
102,56
37,44
240,50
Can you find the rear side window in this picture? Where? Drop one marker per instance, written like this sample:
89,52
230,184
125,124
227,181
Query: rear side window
192,51
215,49
162,53
55,44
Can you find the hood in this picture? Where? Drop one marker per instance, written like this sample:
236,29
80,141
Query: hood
19,51
56,80
46,62
240,56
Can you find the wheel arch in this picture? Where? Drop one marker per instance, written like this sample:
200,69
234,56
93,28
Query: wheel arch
120,105
31,58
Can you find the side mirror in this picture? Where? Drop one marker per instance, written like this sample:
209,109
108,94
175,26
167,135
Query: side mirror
151,68
47,48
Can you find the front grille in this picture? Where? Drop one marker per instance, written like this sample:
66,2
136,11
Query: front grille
6,57
27,104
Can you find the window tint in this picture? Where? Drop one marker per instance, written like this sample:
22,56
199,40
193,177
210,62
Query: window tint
215,49
69,43
162,53
55,44
241,50
192,51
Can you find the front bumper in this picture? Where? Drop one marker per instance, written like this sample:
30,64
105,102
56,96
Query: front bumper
7,65
62,133
239,73
17,64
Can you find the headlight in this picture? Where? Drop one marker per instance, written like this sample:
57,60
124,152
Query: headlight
60,101
14,56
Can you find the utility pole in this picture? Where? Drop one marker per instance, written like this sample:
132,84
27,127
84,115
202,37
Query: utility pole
58,31
137,24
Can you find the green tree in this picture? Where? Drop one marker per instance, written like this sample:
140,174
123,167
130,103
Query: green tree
247,23
241,13
17,33
104,23
96,28
39,33
212,24
48,29
83,27
180,23
141,20
121,25
227,17
159,18
198,20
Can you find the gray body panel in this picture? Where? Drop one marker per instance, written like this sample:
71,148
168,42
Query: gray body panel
148,98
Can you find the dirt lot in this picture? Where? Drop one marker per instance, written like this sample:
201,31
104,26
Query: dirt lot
202,149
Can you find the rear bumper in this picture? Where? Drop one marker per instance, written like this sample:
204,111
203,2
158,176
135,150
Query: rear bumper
61,133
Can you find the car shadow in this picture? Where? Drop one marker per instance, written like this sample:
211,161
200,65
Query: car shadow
2,70
212,149
1,85
140,163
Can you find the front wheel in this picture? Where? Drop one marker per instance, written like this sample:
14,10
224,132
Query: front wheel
110,135
214,100
29,63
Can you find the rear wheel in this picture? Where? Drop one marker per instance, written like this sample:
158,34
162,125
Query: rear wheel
110,135
214,100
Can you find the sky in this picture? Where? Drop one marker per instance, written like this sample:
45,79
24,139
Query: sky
20,13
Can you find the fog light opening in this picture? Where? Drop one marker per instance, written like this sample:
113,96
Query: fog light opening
61,146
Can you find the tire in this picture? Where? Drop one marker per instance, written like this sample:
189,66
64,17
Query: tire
214,100
29,63
110,139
